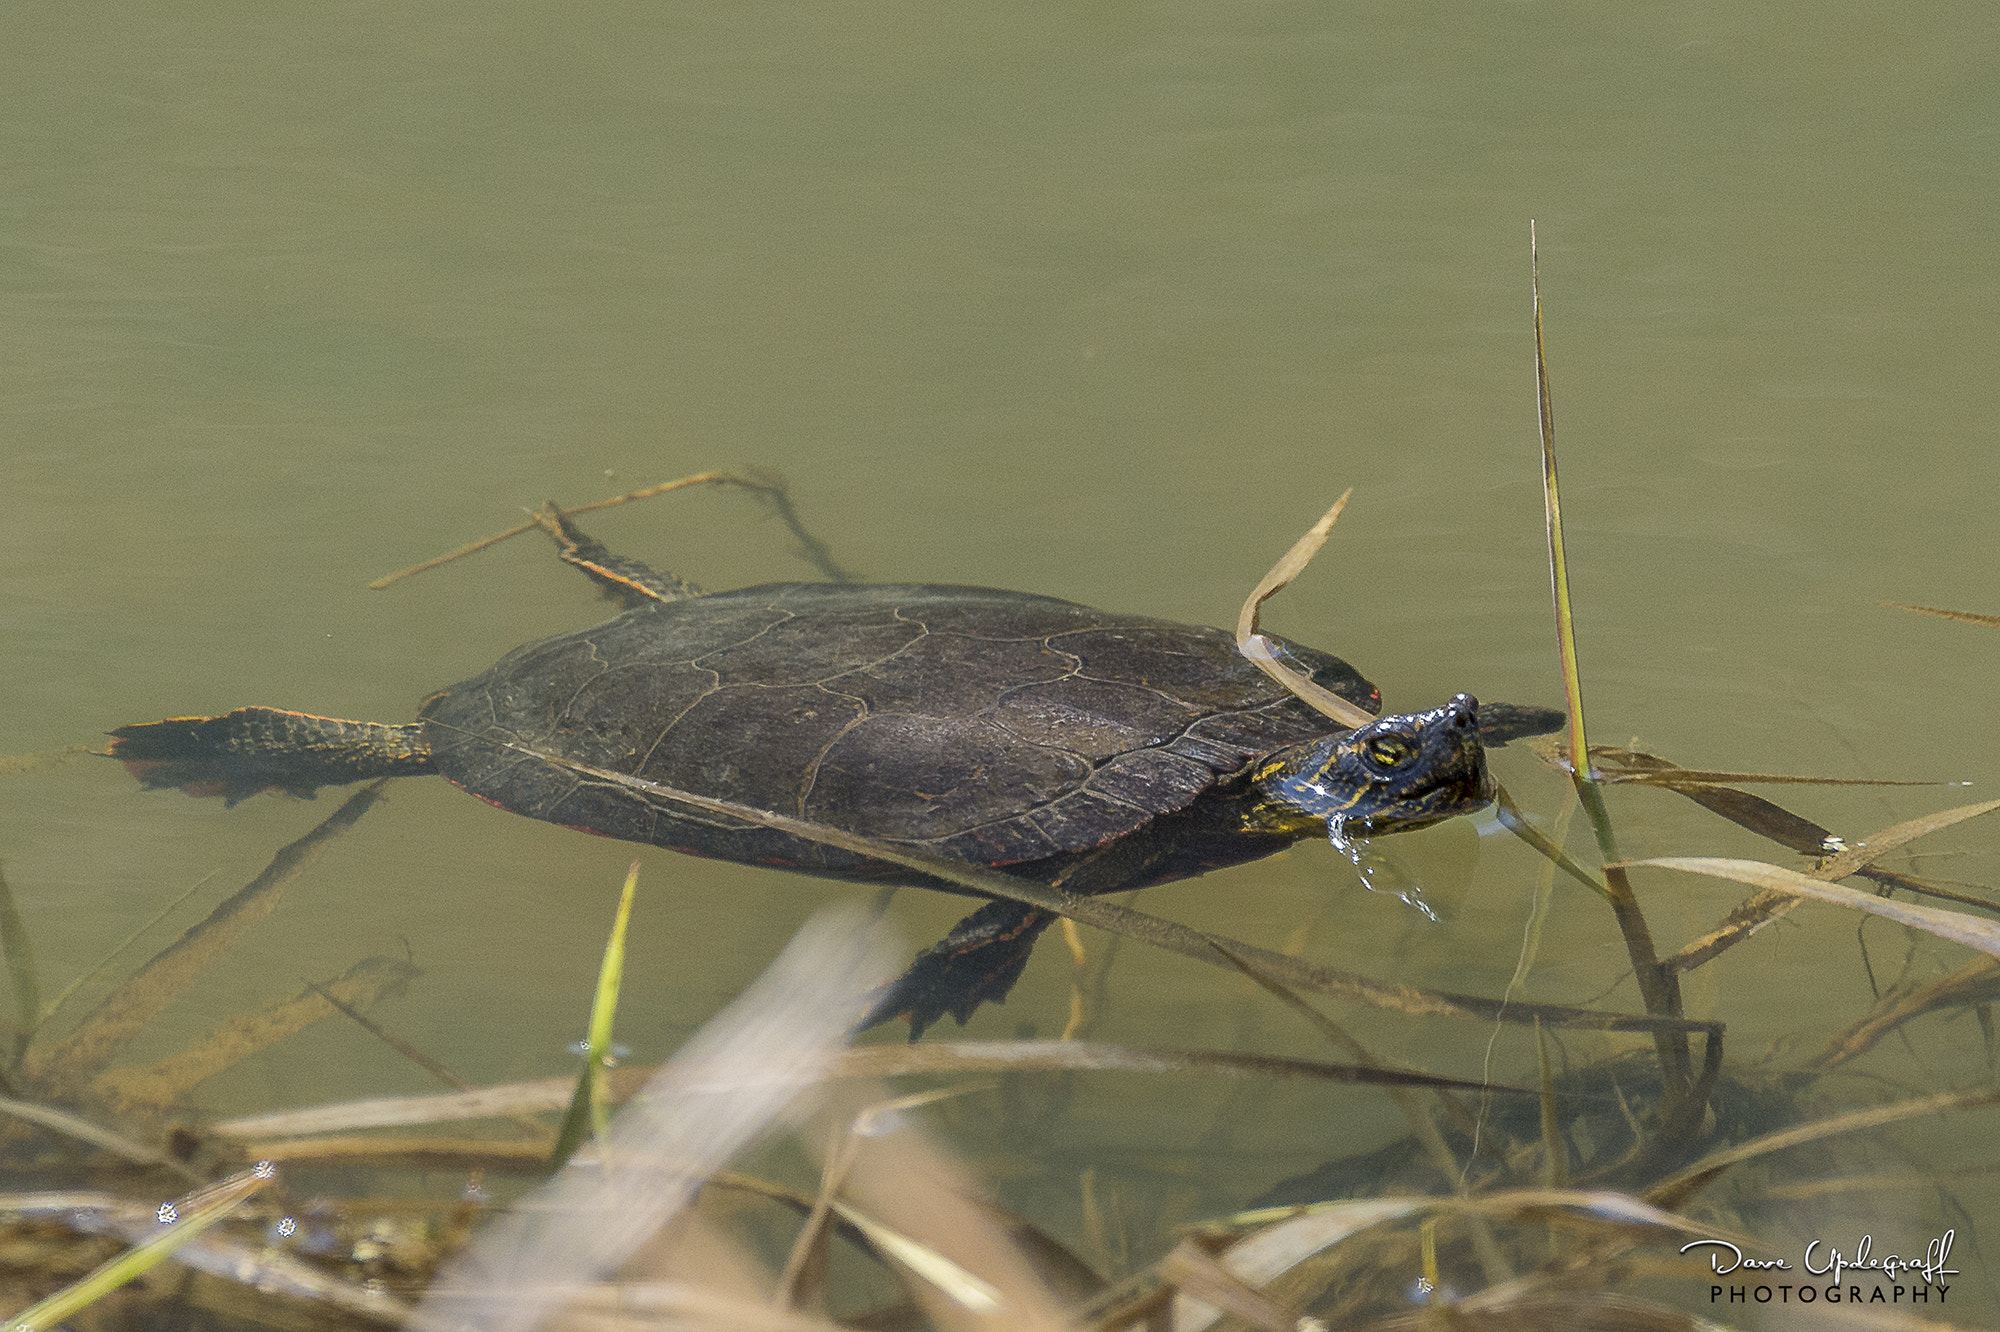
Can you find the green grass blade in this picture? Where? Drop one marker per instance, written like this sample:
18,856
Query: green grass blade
22,973
576,1119
587,1107
187,1218
1579,749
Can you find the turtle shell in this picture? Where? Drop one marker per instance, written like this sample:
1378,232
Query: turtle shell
989,726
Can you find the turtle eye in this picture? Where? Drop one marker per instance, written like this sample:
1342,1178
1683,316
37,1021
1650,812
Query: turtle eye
1389,751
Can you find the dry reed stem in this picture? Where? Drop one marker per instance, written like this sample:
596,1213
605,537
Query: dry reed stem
615,1196
1154,930
1257,649
874,1061
1971,931
1676,1189
1768,904
1977,982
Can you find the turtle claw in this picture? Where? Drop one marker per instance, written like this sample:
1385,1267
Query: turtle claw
977,963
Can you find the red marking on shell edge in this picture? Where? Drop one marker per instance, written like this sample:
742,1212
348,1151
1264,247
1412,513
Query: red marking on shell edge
205,790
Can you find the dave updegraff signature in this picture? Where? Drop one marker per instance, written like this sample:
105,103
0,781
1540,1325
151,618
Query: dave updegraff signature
1725,1258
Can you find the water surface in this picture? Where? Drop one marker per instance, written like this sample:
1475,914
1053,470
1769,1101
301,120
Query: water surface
1105,304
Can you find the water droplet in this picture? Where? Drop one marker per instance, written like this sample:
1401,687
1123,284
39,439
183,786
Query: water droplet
1377,874
579,1048
169,1214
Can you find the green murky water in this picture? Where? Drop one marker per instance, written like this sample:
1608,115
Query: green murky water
1103,303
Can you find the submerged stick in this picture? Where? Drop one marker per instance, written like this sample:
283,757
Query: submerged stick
64,1066
82,1130
1964,617
1977,982
771,488
155,1088
1677,1188
12,765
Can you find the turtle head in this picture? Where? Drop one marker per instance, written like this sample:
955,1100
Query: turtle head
1394,774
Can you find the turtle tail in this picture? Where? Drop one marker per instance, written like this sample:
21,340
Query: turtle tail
266,749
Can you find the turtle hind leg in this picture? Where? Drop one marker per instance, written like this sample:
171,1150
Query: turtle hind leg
627,582
266,749
977,963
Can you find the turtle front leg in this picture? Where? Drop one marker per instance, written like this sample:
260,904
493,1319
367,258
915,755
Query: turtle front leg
627,582
977,963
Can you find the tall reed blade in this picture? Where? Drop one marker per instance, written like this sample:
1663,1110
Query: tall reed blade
1579,750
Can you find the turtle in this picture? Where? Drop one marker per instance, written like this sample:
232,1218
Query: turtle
1087,750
